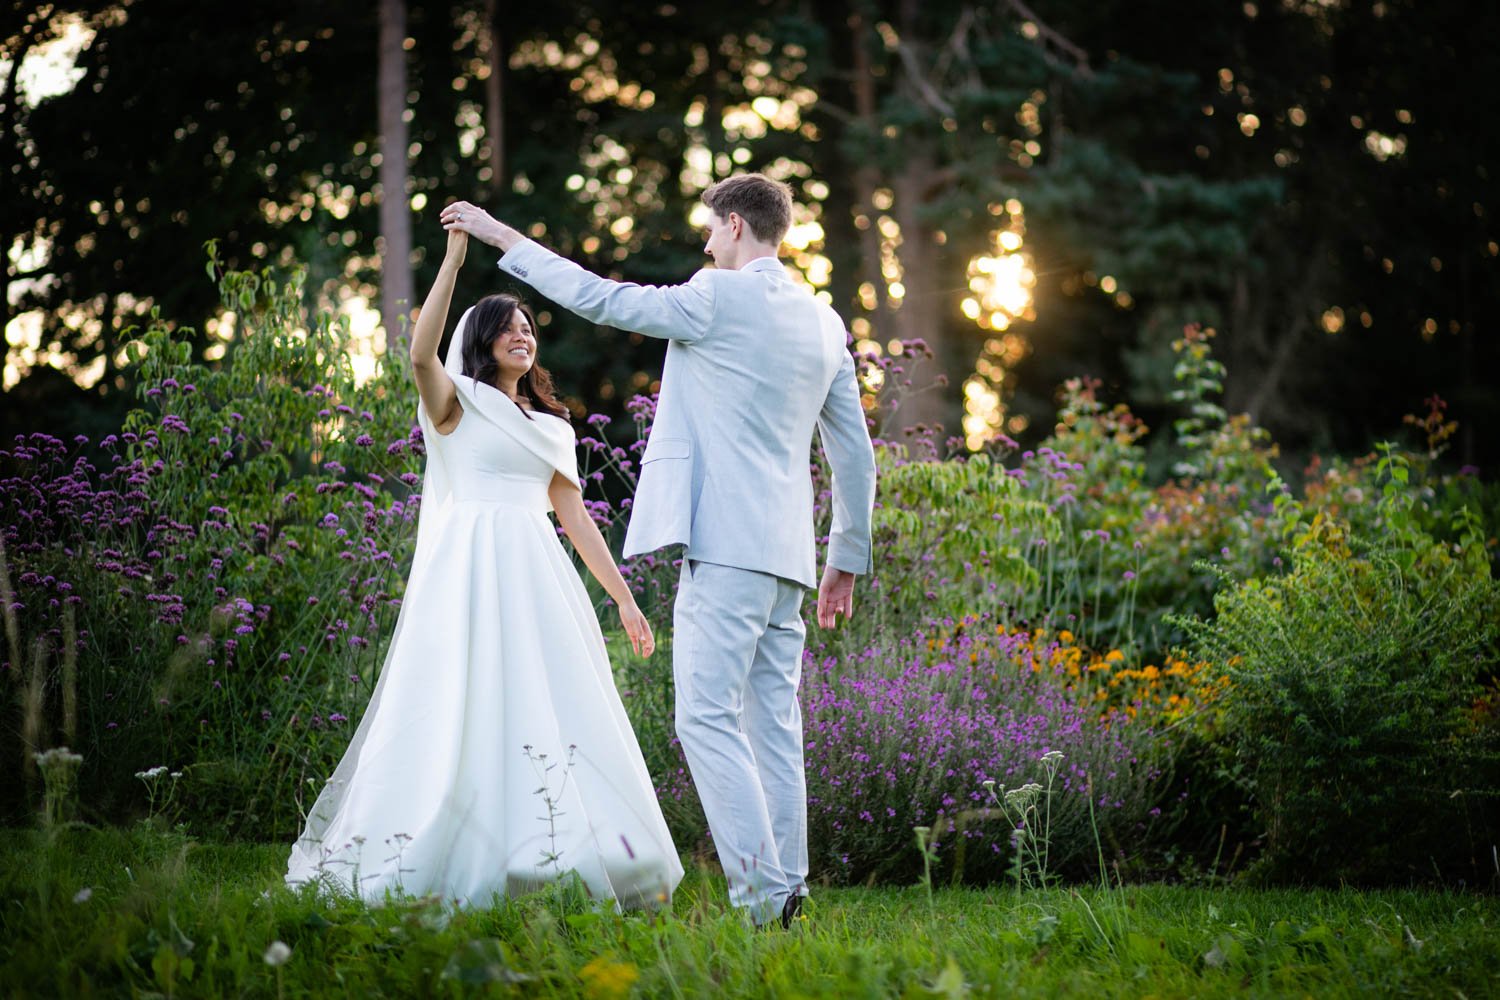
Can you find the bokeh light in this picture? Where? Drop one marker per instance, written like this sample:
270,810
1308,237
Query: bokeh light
1000,294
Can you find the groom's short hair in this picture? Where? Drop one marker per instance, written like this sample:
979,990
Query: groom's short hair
764,204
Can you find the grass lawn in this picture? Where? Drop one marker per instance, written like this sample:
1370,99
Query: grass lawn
146,913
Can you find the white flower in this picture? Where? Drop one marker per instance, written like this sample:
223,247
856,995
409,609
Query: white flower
83,895
1022,797
278,953
58,756
1052,757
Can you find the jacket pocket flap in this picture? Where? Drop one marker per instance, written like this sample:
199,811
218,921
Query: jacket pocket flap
667,448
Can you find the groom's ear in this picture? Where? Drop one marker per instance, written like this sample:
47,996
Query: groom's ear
736,225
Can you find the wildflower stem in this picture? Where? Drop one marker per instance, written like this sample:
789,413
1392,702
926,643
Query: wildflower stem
8,612
70,676
33,700
1093,622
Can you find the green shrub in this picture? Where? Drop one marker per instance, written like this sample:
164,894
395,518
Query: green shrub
1356,704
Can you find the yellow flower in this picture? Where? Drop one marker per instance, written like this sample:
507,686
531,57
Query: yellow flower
608,979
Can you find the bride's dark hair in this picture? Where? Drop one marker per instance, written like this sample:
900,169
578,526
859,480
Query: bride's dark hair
492,314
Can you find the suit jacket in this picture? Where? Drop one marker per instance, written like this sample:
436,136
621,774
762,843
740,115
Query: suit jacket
754,364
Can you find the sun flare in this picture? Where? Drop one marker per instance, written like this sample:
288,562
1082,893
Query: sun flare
1000,294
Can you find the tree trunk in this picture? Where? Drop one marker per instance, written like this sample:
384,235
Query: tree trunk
494,95
396,289
921,312
1262,360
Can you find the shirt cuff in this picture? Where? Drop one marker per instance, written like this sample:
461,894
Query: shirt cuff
850,557
515,261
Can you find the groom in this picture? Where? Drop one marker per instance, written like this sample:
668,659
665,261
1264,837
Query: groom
754,364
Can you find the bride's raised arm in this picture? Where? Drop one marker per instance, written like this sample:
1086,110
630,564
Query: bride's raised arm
439,398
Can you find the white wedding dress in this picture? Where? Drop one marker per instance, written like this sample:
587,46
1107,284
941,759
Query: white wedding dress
495,754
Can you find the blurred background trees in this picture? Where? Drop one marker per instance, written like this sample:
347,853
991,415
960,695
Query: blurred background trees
1038,190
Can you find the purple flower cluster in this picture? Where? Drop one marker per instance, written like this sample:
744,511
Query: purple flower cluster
192,555
906,734
613,470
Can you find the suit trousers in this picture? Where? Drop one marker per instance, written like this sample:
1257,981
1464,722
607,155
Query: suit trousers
736,662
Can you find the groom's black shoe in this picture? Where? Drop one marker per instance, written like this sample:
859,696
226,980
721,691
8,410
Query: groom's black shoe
790,909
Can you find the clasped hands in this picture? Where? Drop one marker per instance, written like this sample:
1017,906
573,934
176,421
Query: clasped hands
464,217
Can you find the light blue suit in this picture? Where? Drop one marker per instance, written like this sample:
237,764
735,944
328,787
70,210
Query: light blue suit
754,364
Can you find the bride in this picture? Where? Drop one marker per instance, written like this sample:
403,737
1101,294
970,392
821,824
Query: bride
495,754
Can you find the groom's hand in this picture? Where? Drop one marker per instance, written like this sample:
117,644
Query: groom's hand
466,218
835,597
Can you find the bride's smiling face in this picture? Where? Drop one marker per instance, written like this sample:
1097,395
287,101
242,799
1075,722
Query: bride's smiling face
515,347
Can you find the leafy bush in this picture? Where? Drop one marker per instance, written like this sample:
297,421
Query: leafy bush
233,558
1070,535
1435,493
1212,510
1357,698
952,538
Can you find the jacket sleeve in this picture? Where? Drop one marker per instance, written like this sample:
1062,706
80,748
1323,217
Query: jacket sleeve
851,457
671,312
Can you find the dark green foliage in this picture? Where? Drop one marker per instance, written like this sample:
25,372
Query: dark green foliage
1226,168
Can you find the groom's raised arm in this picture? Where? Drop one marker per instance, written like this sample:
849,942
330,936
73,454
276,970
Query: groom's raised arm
672,312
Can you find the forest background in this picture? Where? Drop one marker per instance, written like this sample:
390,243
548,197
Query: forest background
1036,191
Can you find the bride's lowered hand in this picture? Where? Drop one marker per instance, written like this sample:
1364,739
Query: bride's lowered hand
638,628
579,525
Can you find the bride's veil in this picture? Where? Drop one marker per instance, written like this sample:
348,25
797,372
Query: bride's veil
433,508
